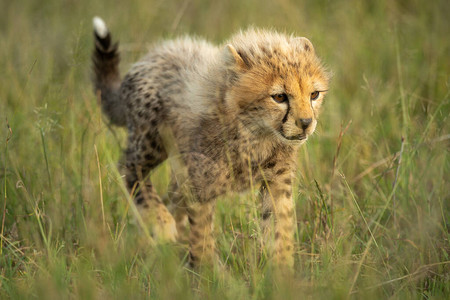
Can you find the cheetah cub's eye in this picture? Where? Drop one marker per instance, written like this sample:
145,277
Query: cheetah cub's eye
315,95
280,98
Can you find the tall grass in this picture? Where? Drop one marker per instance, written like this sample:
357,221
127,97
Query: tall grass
372,195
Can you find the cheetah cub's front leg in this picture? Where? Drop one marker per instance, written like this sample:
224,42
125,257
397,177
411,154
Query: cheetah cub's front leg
278,219
201,240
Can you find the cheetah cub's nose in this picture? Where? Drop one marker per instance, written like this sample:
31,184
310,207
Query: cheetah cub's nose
303,123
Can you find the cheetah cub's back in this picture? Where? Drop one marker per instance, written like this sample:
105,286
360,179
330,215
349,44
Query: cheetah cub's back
231,117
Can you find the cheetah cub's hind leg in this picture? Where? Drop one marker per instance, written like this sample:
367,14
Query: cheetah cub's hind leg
120,102
150,206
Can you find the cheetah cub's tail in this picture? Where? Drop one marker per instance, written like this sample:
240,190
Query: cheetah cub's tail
106,73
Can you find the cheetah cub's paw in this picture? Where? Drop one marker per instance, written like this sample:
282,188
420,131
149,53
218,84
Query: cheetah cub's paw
162,225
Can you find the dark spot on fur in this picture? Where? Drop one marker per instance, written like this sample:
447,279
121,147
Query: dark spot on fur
270,164
196,234
192,257
139,199
166,76
130,183
281,171
266,214
277,235
288,194
288,181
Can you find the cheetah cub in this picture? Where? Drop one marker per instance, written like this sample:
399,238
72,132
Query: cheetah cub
227,117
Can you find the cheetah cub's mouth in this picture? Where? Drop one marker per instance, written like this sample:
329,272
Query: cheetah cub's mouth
298,137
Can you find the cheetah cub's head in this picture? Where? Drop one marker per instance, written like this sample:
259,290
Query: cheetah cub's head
276,84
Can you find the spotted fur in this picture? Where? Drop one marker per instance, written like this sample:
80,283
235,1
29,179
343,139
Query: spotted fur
217,113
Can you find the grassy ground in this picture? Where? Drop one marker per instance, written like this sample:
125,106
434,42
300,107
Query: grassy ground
372,195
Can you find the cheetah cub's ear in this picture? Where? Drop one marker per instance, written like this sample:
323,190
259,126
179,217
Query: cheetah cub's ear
234,59
304,44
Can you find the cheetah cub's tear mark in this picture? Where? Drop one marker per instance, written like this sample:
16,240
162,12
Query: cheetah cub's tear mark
228,117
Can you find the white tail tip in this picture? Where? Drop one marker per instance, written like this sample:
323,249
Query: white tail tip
100,27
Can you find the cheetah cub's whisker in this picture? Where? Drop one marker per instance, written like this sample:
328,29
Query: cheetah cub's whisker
228,116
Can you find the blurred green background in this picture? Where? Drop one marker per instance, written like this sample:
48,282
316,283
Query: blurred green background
372,195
